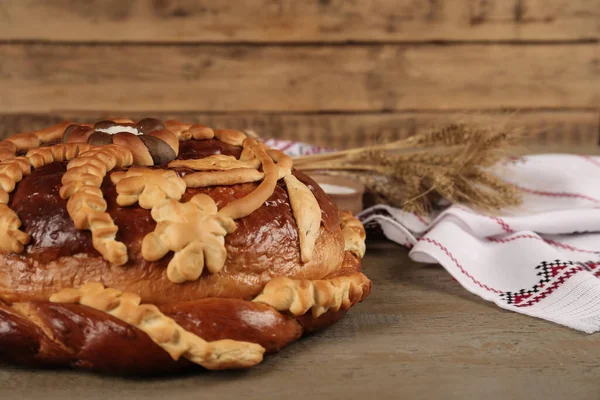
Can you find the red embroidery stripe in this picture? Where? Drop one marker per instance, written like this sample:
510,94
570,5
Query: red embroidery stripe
555,285
550,242
558,194
460,267
503,224
420,218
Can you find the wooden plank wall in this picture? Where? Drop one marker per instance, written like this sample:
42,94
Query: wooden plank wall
332,72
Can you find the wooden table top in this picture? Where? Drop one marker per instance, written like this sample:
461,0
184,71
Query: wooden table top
419,335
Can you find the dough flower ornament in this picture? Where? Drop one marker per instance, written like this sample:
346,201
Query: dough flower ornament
194,231
148,187
152,246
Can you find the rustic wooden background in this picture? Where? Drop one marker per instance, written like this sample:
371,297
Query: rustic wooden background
333,72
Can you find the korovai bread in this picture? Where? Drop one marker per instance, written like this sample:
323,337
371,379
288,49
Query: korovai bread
153,246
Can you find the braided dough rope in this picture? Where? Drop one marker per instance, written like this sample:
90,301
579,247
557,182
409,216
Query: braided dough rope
163,330
320,296
11,238
8,150
12,171
30,140
57,153
149,187
354,233
86,205
194,231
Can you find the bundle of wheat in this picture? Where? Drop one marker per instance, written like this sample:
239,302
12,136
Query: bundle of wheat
452,163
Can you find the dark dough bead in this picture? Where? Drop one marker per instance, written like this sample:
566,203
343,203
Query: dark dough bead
160,151
148,125
100,139
80,131
70,129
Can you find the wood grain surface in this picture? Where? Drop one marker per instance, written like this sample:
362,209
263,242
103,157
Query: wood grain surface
304,21
353,78
419,335
542,128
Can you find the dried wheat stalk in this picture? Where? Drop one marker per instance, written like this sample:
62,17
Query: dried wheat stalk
451,163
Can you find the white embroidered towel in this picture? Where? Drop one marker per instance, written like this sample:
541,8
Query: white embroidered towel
542,259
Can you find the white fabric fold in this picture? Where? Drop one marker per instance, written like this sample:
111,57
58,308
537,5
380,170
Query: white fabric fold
541,259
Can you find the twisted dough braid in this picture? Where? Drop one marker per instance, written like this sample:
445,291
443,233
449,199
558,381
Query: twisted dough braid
163,330
86,205
11,238
320,296
354,234
30,140
12,171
